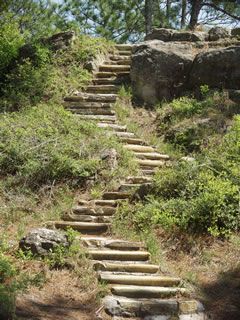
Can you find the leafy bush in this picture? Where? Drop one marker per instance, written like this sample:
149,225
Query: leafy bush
47,144
187,123
10,42
12,281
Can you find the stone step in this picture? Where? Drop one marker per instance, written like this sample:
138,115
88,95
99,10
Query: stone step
139,179
124,134
148,172
151,156
129,187
97,203
111,74
123,52
125,267
106,81
116,57
130,140
150,163
158,308
108,88
92,111
139,280
132,291
139,148
126,62
87,105
114,68
86,218
119,255
117,195
90,97
115,127
100,117
86,227
94,210
124,47
113,244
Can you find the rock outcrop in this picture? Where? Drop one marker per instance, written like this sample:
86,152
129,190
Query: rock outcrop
164,68
41,241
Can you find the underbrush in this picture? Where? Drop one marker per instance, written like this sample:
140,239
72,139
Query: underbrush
200,196
188,124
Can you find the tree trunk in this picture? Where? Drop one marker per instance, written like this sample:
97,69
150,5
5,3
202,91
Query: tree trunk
184,13
168,8
196,8
149,4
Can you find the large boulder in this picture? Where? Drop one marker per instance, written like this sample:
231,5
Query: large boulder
41,241
217,68
167,35
218,33
160,69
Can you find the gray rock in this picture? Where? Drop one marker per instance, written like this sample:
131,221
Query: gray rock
60,40
218,33
234,95
160,69
235,32
126,307
167,35
110,156
189,36
218,68
41,241
160,34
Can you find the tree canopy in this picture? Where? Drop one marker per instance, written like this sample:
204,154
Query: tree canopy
119,20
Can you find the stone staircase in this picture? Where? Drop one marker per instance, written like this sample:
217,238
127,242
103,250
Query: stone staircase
138,289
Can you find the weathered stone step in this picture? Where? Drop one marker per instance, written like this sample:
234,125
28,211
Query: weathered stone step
94,210
150,163
124,47
92,111
132,291
114,68
158,308
113,244
126,62
111,74
124,134
115,127
100,117
124,53
117,195
86,218
97,203
125,267
139,179
148,172
139,280
129,186
106,81
107,88
119,57
119,255
139,148
87,105
130,140
89,97
151,155
87,227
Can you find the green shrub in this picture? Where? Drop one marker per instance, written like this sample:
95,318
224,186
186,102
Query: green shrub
10,42
201,196
47,144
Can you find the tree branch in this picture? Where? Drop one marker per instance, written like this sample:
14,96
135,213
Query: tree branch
214,6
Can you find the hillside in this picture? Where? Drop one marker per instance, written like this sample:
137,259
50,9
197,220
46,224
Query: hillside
146,197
